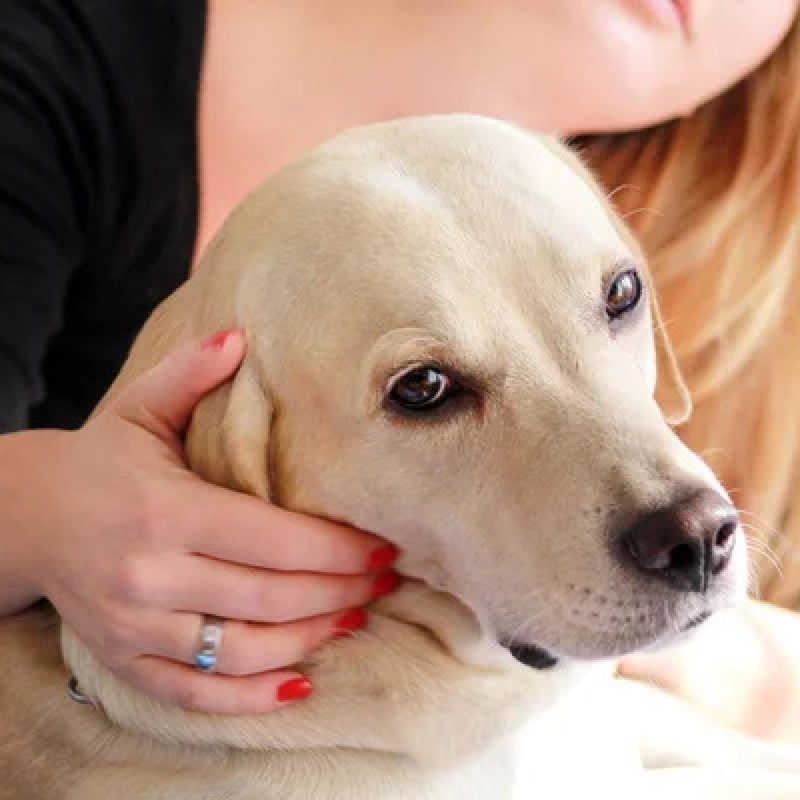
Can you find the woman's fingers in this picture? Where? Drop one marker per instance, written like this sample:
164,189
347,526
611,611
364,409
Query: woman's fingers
162,399
164,548
248,648
233,591
245,530
168,548
180,685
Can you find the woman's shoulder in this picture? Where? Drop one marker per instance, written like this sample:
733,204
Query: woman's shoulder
98,100
101,54
98,203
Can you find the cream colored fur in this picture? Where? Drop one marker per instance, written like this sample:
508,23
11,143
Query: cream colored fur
458,241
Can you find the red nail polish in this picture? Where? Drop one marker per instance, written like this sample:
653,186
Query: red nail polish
217,341
384,584
350,621
383,557
295,689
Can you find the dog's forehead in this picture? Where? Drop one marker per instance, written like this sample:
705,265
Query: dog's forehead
412,222
499,188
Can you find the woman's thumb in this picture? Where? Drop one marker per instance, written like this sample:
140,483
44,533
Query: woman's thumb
162,399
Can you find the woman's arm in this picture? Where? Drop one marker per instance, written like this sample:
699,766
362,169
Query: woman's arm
743,668
133,549
22,455
46,191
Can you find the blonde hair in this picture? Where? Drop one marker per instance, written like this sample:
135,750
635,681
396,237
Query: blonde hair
715,200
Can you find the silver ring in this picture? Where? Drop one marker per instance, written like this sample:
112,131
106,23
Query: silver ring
205,657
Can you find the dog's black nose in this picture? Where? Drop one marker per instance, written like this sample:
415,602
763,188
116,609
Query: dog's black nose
686,543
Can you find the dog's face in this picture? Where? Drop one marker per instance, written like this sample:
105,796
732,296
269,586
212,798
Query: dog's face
451,345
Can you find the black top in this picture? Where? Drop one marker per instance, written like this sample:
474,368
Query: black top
98,190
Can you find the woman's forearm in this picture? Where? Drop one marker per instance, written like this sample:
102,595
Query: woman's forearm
742,668
774,709
23,457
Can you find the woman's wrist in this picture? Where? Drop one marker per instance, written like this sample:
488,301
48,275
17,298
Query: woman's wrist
24,498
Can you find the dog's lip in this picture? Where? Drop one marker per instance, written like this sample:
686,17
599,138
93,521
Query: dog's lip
531,655
697,619
537,657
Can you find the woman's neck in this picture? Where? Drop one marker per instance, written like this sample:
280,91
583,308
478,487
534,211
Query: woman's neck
281,77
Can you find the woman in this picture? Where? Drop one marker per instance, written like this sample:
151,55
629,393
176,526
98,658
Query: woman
98,222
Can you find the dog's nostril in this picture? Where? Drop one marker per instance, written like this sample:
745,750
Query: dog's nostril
683,557
722,547
725,535
684,544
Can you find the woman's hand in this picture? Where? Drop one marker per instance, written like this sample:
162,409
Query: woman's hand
742,668
132,549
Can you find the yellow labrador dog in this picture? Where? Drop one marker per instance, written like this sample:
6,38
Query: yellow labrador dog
450,344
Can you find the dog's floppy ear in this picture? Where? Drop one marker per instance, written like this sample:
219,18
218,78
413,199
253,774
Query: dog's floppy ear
227,442
672,393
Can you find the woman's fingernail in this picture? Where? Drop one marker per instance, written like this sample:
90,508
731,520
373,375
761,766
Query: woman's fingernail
217,341
295,689
382,557
350,621
384,584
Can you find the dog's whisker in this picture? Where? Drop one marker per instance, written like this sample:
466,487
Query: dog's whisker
621,188
766,552
633,212
764,526
759,538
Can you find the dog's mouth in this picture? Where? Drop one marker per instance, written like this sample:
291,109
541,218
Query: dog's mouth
531,655
536,657
697,620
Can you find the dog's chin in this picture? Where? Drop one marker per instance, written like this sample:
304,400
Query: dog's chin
537,657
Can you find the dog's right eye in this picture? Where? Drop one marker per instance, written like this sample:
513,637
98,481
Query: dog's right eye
421,389
624,293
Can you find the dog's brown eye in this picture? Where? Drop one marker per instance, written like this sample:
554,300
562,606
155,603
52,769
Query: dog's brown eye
421,389
624,293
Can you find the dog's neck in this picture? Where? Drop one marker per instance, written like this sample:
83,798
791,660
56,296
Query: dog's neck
422,682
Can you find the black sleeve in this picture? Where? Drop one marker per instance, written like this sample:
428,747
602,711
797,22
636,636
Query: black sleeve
98,190
45,190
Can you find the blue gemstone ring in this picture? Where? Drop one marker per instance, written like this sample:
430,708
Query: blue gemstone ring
205,657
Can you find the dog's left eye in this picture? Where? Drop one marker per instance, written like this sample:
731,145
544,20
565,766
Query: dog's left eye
421,389
624,293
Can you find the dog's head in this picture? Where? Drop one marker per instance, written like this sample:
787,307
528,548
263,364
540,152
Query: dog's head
451,344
